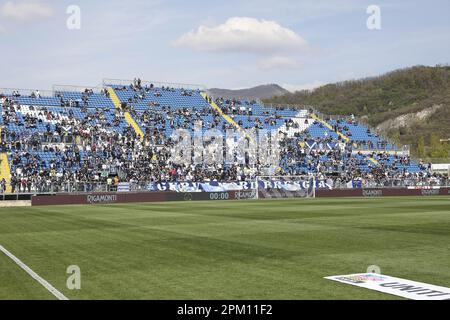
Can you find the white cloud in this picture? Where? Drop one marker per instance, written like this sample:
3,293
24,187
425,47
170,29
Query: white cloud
26,10
277,62
305,86
243,34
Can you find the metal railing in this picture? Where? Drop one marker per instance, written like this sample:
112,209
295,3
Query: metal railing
78,187
74,88
284,105
49,93
26,92
392,183
334,183
69,187
127,83
380,148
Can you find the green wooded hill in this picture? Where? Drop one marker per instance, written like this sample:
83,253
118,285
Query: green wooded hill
380,99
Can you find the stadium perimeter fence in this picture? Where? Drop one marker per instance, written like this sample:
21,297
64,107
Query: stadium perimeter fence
25,193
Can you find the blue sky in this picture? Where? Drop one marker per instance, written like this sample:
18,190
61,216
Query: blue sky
228,44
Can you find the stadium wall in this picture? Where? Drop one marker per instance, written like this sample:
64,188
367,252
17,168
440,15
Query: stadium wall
127,197
383,192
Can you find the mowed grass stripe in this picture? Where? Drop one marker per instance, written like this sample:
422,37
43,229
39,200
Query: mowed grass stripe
224,250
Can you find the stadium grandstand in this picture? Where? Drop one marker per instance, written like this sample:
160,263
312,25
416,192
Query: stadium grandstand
94,139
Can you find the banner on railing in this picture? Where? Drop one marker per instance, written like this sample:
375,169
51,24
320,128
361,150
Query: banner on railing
123,187
215,186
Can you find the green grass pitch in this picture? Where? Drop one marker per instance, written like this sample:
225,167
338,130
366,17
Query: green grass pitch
267,249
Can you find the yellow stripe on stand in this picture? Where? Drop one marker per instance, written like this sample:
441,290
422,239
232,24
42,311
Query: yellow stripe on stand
128,118
225,116
5,170
326,124
373,161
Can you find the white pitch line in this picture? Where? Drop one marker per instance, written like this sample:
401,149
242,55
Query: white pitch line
34,275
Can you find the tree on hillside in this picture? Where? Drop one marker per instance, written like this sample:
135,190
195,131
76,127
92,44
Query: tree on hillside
421,147
437,148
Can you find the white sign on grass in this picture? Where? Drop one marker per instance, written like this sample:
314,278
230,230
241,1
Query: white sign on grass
395,286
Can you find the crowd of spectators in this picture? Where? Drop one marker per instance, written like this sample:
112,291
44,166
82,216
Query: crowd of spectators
85,146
